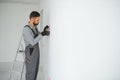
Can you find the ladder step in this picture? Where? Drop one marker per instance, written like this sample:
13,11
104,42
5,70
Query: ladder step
20,51
17,67
16,72
20,62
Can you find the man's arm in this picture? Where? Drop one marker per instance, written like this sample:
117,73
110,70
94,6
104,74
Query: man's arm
29,38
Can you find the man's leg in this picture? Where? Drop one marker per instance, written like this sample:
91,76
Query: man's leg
37,69
30,70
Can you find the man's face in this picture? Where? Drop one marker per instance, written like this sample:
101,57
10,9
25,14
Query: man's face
36,21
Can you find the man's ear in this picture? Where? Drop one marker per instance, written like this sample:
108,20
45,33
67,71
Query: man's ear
32,19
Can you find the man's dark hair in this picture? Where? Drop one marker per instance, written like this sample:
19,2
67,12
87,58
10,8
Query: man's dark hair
34,14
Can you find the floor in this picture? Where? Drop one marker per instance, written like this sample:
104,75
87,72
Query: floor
5,70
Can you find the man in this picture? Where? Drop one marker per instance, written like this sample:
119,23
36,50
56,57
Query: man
32,37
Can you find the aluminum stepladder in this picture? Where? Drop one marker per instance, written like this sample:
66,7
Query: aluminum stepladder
17,74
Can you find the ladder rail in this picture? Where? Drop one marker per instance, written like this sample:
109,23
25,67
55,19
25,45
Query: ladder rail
22,71
13,64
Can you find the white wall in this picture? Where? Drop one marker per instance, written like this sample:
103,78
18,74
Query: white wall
84,40
13,17
45,41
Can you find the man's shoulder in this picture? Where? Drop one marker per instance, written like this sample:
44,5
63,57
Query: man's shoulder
26,28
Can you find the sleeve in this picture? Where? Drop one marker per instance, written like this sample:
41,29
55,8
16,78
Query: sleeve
29,38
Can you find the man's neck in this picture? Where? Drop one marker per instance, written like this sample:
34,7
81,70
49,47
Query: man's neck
32,25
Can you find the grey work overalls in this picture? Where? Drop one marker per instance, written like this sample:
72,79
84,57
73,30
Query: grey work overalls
32,67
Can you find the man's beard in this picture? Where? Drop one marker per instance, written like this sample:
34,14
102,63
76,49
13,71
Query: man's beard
35,24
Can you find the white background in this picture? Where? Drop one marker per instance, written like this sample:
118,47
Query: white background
85,37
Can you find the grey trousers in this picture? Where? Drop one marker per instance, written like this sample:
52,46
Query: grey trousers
33,66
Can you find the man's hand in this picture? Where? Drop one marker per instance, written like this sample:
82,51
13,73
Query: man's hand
27,60
46,31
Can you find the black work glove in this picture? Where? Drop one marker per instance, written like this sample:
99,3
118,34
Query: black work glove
45,32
